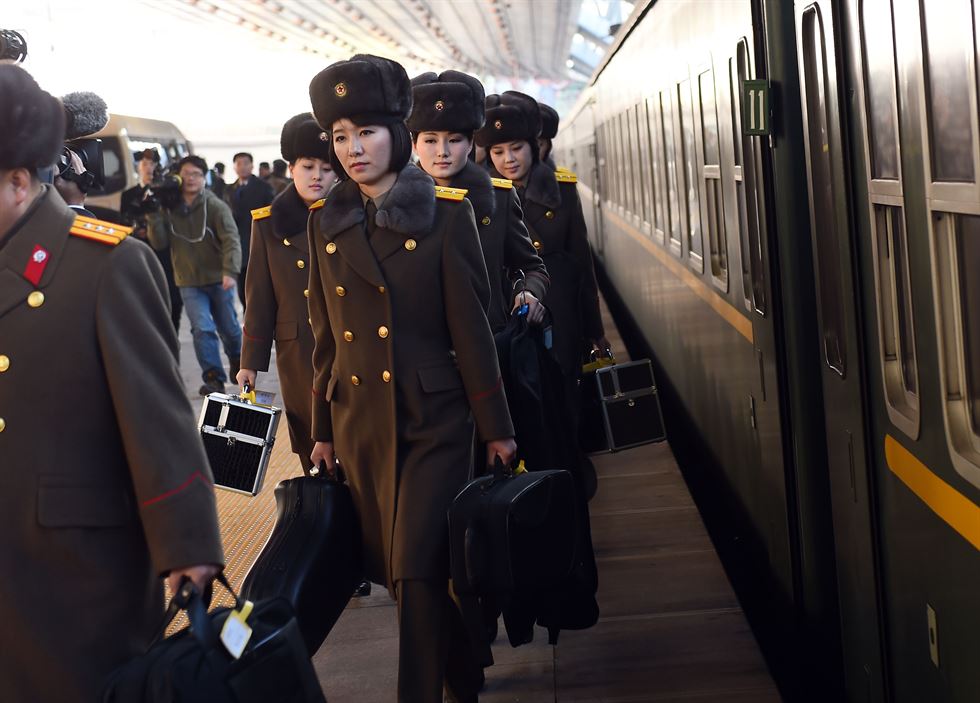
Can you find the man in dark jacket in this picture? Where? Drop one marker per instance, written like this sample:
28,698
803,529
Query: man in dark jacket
248,193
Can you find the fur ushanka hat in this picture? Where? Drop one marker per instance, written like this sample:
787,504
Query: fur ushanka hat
361,86
32,122
549,121
449,102
301,137
511,116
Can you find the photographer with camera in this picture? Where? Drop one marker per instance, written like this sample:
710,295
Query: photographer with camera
207,257
134,205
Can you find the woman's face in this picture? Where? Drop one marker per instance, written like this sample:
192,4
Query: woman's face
313,178
442,154
365,152
512,159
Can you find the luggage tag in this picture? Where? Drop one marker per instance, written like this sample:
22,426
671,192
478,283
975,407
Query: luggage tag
236,633
257,397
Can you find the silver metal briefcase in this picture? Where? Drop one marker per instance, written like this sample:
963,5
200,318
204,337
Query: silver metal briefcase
238,436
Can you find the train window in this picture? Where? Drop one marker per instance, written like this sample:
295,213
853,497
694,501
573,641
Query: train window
711,172
657,197
620,161
695,249
646,174
879,66
670,158
949,59
637,173
957,248
632,186
823,199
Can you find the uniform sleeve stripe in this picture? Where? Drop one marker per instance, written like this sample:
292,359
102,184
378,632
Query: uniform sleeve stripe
489,392
197,475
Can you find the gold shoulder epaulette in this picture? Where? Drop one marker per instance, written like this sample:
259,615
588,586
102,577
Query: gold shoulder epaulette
562,169
318,204
262,212
456,194
99,230
505,183
566,177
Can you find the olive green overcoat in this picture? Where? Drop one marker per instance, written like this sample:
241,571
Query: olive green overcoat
404,363
104,485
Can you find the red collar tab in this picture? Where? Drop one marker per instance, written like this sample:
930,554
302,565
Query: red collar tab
35,265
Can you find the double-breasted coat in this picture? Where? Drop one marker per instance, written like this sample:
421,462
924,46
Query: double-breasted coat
276,292
504,239
105,484
553,215
404,363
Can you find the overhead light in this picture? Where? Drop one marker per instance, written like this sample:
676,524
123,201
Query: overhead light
569,63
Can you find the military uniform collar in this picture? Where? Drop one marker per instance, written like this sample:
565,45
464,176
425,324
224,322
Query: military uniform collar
33,250
476,181
290,216
542,187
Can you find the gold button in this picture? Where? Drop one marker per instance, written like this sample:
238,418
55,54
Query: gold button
4,362
309,321
286,242
331,247
410,244
35,299
348,335
381,289
3,424
383,332
550,215
537,245
355,380
341,291
306,292
386,376
485,220
301,264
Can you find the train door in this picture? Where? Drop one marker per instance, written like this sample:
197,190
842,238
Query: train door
852,491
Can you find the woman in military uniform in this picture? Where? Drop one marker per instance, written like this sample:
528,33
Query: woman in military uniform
446,110
276,285
404,363
553,215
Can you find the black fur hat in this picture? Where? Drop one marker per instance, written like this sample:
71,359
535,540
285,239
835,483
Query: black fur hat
449,102
32,122
361,85
301,137
549,121
511,116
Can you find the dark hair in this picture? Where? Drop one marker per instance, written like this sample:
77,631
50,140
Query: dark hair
264,164
401,142
195,161
279,167
242,153
468,135
150,153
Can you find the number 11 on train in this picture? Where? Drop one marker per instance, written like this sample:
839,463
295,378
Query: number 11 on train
755,108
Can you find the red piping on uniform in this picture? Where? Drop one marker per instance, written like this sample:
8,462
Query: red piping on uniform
178,489
254,339
488,393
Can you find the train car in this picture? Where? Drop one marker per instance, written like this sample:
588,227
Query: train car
124,137
806,287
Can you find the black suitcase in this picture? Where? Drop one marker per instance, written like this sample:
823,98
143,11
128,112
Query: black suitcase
620,407
313,556
238,436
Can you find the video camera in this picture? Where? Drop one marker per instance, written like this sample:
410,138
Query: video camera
13,47
89,152
163,191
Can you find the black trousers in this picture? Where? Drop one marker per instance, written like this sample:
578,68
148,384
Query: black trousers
176,302
433,650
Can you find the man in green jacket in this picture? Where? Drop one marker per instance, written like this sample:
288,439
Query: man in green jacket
207,256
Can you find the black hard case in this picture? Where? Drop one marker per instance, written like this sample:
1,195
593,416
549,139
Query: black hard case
620,408
238,437
313,556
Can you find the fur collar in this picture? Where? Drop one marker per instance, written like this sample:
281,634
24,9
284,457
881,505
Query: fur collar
476,181
542,187
409,208
289,213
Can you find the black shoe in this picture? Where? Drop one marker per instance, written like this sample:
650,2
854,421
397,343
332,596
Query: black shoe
212,383
363,590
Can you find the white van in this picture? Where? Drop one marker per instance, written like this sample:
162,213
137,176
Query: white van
123,139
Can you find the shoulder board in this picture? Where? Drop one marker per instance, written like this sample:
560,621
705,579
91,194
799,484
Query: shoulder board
99,230
566,177
318,204
456,194
562,169
504,183
262,212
